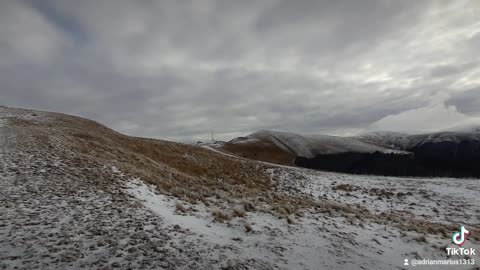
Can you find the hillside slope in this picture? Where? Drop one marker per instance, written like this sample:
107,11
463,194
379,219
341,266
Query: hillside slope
77,195
65,176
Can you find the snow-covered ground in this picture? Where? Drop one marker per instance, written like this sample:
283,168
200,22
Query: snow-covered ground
60,210
445,200
314,241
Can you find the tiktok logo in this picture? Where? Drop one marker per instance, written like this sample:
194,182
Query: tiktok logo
459,238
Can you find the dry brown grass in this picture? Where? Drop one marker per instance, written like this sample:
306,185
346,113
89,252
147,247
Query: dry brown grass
262,150
248,227
248,206
179,207
190,173
421,239
19,122
344,187
290,220
238,213
221,216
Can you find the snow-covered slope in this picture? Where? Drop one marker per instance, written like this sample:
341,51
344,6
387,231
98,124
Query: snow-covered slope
408,141
309,146
472,125
387,139
439,137
466,129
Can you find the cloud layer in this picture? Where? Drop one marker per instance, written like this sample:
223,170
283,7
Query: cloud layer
178,69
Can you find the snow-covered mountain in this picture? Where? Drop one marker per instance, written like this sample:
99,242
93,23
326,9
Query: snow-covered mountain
312,145
452,151
408,141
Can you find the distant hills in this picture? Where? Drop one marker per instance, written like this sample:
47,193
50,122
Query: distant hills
454,153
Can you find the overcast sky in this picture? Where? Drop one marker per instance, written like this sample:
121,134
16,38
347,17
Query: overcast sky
177,69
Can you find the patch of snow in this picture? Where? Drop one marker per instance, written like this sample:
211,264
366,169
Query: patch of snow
211,143
7,113
115,170
244,140
165,206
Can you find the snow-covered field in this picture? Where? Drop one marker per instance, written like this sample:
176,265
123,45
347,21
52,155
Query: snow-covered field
315,240
448,200
60,210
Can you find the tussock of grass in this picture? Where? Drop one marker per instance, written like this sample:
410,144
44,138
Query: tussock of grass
344,187
248,227
238,213
180,208
290,220
221,216
248,206
421,239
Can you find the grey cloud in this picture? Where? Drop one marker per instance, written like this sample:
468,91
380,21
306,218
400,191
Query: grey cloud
361,24
448,70
467,102
177,69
